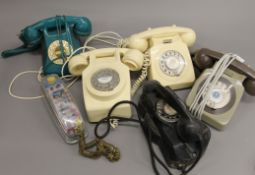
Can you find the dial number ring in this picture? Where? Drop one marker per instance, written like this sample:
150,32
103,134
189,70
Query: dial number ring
105,79
166,113
54,51
220,95
172,63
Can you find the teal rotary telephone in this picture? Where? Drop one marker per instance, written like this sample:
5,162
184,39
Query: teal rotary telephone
57,36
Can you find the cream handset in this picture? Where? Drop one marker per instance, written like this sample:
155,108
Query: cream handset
167,48
106,79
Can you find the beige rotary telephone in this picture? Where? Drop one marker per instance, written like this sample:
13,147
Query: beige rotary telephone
106,79
217,103
167,48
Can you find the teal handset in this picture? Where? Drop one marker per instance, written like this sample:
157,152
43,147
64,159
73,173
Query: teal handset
58,38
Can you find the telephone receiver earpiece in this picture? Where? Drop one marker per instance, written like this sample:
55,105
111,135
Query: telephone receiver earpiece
31,35
140,41
133,59
194,131
130,57
205,58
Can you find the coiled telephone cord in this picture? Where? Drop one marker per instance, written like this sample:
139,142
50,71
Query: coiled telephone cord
144,73
111,152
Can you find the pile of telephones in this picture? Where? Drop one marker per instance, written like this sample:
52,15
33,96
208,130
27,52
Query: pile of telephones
162,56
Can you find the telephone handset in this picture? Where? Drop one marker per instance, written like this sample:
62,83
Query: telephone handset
168,51
106,79
205,58
228,90
57,35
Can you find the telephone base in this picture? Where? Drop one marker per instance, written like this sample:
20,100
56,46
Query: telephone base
106,82
220,117
171,65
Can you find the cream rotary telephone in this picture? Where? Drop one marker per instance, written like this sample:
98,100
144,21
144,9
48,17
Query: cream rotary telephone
106,79
167,48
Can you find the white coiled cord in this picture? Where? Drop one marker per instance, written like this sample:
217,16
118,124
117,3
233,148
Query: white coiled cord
201,99
144,73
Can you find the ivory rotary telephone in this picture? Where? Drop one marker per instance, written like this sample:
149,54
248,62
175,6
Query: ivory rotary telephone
227,93
57,36
167,48
106,79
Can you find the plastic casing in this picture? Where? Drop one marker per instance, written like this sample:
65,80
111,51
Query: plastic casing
98,103
185,79
156,41
66,114
219,121
50,67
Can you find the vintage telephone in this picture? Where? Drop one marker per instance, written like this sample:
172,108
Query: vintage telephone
57,36
167,48
228,90
168,123
70,123
106,79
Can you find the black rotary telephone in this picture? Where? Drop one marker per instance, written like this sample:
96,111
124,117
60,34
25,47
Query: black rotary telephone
167,122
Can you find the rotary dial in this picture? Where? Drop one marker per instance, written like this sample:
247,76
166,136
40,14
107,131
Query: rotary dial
54,51
105,80
172,63
166,113
220,95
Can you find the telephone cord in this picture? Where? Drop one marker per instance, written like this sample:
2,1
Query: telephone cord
108,37
144,72
207,86
204,87
219,74
154,157
60,39
70,43
201,99
39,77
201,106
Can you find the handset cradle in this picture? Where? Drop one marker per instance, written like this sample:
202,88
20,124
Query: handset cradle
58,37
169,55
106,79
205,58
226,94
